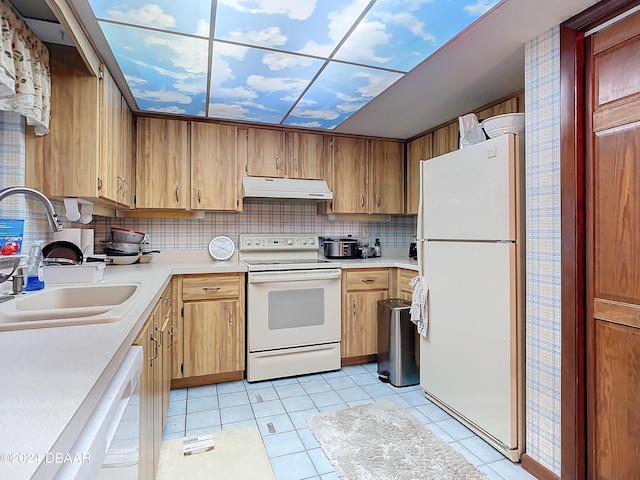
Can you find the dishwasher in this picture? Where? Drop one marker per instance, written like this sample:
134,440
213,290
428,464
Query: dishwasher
111,437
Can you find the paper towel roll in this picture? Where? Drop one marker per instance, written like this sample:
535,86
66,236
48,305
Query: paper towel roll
73,235
87,242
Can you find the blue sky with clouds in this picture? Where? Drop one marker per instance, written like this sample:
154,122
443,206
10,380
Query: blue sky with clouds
308,63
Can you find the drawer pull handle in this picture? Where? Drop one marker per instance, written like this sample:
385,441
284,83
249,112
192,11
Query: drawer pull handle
210,289
361,200
199,195
354,308
368,280
159,339
231,316
378,200
168,299
178,194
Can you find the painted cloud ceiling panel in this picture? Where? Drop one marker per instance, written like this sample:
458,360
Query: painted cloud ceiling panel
308,63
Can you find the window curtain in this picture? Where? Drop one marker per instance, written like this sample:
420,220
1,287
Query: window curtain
25,79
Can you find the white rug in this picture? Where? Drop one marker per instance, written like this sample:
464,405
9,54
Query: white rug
379,441
238,454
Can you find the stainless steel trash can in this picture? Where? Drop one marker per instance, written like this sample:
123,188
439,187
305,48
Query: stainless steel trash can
397,344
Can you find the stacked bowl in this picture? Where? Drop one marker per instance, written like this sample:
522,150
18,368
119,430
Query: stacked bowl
124,247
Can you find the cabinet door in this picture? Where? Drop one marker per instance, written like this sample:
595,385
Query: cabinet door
214,167
266,153
161,163
127,170
72,146
349,171
446,139
305,154
360,323
387,177
214,337
419,149
111,182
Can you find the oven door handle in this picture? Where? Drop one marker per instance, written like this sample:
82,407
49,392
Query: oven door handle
294,276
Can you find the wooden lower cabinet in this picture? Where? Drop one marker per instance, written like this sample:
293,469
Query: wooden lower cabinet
403,289
361,291
211,329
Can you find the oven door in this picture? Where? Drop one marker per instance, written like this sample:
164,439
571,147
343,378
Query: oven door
293,308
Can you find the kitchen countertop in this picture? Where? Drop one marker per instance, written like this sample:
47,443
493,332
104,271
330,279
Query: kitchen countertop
54,377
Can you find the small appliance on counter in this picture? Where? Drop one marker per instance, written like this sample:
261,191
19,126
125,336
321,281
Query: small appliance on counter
341,248
413,251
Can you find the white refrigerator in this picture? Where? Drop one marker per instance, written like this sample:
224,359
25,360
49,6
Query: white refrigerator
470,244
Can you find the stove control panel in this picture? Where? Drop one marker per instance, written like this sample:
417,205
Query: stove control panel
279,242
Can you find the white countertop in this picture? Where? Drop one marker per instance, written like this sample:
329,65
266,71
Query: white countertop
53,377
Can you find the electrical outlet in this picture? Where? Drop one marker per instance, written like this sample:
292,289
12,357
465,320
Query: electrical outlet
365,233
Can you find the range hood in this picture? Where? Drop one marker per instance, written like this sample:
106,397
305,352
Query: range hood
264,188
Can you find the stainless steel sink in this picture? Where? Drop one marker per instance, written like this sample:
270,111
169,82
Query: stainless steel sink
67,305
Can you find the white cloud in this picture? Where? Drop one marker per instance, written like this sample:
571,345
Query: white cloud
294,9
163,95
133,80
310,113
233,92
480,7
361,44
268,84
149,15
221,49
160,70
306,124
414,5
376,83
268,37
278,61
410,22
226,110
190,54
172,109
203,29
192,86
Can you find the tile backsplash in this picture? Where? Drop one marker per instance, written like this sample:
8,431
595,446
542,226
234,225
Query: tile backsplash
267,217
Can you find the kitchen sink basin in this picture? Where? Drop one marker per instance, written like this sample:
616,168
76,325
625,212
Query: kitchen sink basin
67,305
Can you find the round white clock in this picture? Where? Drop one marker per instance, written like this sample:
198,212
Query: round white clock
221,248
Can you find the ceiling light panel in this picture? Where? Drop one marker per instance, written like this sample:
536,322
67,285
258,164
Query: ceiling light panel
308,63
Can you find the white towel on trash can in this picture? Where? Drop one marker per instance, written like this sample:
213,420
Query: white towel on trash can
420,304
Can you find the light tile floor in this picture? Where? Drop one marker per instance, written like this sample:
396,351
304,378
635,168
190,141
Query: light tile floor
279,409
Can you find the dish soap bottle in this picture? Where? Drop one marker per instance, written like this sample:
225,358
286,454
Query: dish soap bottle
377,252
35,268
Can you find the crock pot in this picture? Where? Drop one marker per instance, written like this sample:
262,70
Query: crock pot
341,248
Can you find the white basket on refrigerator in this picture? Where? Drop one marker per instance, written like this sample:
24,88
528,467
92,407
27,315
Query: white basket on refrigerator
501,124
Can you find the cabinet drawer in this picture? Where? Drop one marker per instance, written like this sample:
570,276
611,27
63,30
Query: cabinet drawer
404,277
203,287
374,279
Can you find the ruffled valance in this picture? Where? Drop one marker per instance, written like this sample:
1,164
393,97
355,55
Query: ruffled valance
25,78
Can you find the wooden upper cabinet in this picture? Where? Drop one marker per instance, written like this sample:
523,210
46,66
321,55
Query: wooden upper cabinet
162,163
87,152
116,163
367,176
276,153
266,157
305,155
214,167
419,149
350,170
386,190
446,139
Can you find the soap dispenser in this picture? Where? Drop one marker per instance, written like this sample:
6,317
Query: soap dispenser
377,252
35,268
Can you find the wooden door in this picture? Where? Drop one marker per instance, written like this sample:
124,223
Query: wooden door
126,170
214,167
386,175
305,155
613,252
419,149
350,171
162,160
214,337
111,184
266,156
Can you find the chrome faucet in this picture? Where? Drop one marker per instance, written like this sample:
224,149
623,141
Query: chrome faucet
54,223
